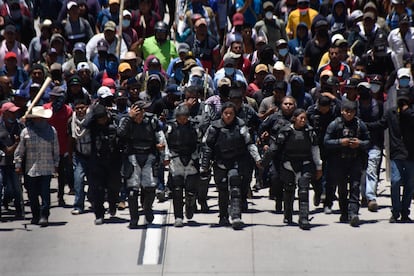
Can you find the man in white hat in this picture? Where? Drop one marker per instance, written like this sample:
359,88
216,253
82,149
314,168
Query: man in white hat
39,150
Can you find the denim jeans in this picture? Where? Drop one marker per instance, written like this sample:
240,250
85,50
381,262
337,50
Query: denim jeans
12,186
81,168
39,186
371,174
402,174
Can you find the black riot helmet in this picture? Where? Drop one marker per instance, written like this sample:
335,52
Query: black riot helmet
161,26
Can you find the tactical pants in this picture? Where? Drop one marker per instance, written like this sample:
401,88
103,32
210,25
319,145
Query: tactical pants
141,177
342,171
105,177
229,183
289,176
184,177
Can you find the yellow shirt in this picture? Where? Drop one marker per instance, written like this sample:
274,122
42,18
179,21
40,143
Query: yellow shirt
295,18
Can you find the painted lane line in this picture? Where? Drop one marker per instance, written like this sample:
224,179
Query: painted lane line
152,242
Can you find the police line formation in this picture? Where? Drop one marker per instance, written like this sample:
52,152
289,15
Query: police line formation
296,93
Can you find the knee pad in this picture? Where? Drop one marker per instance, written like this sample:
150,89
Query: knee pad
235,179
289,187
149,190
192,182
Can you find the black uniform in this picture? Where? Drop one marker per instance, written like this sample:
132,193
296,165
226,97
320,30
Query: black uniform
230,146
345,164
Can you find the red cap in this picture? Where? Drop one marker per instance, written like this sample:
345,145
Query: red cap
109,82
238,19
9,106
10,55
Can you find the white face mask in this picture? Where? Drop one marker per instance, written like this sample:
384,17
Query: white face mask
269,15
303,11
360,73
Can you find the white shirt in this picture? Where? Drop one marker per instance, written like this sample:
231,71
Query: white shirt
91,49
19,49
398,47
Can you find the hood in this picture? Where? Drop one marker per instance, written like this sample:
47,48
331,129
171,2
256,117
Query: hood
335,17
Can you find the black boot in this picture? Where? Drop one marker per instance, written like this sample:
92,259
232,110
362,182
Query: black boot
288,198
189,205
304,215
148,201
133,209
178,202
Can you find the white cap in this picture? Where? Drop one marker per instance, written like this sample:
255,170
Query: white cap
83,66
279,66
70,4
104,92
404,72
336,37
126,13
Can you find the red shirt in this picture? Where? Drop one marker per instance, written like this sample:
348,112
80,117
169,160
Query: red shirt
59,121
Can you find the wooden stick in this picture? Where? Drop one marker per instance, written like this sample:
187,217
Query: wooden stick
121,17
39,94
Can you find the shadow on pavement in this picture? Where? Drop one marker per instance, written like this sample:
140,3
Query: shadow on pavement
115,220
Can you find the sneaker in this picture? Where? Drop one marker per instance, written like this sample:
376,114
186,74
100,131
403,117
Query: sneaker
76,212
393,219
178,222
43,222
224,221
364,202
372,205
354,221
149,218
304,224
99,221
327,210
237,224
121,205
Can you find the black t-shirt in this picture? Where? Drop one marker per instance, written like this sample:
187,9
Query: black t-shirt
315,53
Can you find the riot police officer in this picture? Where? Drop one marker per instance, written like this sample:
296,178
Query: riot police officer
182,141
299,153
144,139
346,141
227,142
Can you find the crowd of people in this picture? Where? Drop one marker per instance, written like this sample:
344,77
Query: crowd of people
297,93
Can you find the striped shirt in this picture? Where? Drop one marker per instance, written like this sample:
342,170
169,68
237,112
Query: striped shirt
41,157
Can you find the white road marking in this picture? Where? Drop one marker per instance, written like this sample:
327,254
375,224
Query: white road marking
153,241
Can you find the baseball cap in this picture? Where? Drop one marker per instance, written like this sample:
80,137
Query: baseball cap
10,29
238,19
364,85
230,58
123,66
351,83
8,106
261,68
104,92
369,15
56,67
173,89
142,104
403,72
224,82
183,48
82,66
356,14
10,55
279,66
57,91
201,21
71,4
79,46
102,45
126,13
110,26
109,82
281,42
113,2
73,80
267,5
188,64
153,77
197,71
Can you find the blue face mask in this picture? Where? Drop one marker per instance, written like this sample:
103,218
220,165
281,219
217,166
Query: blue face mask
404,82
126,23
229,71
112,68
283,52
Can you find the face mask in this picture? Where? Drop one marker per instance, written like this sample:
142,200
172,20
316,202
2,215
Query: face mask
364,95
283,52
224,91
11,121
58,103
269,15
153,90
323,34
375,87
112,68
16,14
360,73
126,23
150,72
228,71
404,82
56,75
303,12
